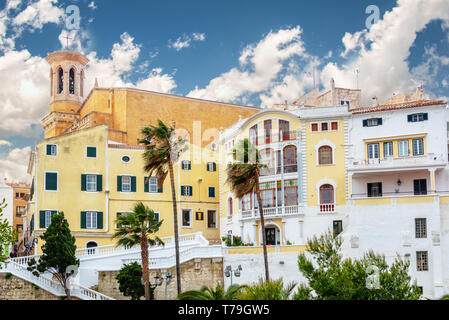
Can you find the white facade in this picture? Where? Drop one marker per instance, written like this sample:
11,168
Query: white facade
7,194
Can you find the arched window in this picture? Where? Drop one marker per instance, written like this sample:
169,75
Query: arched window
60,81
325,155
284,130
290,159
327,200
91,247
230,208
72,81
267,158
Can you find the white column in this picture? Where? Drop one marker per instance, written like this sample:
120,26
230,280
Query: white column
301,230
284,238
437,266
255,234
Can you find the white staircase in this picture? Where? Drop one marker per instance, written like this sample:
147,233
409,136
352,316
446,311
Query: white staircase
112,258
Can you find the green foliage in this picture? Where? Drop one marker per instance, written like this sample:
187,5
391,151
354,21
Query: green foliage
8,276
131,226
446,297
8,235
267,290
58,256
333,278
130,281
236,242
206,293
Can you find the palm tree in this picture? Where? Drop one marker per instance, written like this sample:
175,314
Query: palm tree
136,228
206,293
162,149
243,177
267,290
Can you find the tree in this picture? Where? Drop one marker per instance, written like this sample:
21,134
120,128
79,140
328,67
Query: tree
267,290
243,178
137,228
370,278
130,281
58,256
162,149
8,235
206,293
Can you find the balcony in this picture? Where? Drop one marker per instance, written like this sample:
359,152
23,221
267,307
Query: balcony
391,163
270,171
270,213
276,138
327,208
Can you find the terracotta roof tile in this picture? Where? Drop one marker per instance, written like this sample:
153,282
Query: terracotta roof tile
399,106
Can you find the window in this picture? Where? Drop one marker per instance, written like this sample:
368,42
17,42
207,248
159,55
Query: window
418,147
186,165
345,103
230,207
187,218
48,217
284,130
420,187
268,198
373,151
291,196
153,185
211,167
325,155
60,81
45,218
334,126
91,152
126,159
290,159
404,150
20,211
52,150
91,183
375,190
211,192
91,220
246,203
19,228
422,261
373,122
253,138
388,149
72,81
327,198
126,184
268,126
419,117
51,181
338,227
211,219
314,127
324,126
186,191
421,228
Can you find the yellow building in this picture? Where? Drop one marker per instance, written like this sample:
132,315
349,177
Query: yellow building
90,165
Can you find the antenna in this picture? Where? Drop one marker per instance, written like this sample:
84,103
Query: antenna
67,38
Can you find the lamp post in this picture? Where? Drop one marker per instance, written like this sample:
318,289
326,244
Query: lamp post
229,272
160,280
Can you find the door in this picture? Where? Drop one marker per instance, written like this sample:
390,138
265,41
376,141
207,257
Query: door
271,236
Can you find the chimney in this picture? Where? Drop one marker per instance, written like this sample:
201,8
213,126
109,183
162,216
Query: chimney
375,102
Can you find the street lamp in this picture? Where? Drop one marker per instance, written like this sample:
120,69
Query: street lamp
160,280
229,272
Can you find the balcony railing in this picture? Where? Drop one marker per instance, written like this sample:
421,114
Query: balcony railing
327,208
393,194
270,171
271,212
278,137
430,159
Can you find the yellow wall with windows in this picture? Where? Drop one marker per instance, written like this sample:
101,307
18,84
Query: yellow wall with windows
395,140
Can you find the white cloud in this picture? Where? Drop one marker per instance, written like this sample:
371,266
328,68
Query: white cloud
185,41
384,49
4,143
39,13
14,167
92,5
157,81
261,64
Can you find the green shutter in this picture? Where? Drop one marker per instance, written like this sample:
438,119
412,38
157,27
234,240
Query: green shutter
51,181
410,118
42,220
48,150
211,192
99,220
426,116
119,184
161,189
156,215
215,167
118,216
133,184
380,121
191,191
32,225
183,193
83,220
83,182
99,183
146,184
365,123
91,152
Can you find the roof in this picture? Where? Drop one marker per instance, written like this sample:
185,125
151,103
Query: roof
399,106
125,146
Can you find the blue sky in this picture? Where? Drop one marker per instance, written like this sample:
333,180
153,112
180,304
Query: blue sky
247,52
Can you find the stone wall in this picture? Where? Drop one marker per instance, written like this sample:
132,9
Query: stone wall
14,288
194,275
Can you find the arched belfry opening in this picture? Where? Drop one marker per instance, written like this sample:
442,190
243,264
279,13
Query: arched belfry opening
60,80
72,81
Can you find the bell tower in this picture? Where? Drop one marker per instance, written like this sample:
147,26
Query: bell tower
67,73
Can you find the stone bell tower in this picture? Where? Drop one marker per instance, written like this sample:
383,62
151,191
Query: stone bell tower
67,73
